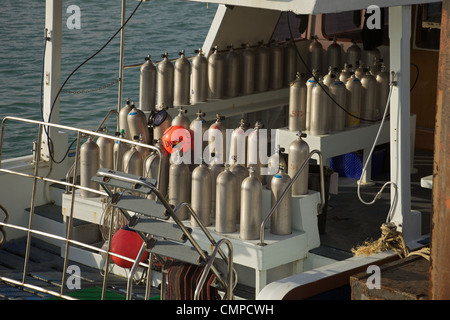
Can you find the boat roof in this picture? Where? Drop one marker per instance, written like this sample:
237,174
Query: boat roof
315,6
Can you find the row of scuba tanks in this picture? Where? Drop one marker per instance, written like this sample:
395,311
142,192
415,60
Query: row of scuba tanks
224,74
350,94
225,192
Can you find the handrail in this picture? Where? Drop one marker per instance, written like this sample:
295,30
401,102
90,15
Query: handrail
202,280
288,189
169,208
88,132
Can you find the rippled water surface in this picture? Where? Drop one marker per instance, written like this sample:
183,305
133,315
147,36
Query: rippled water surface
158,26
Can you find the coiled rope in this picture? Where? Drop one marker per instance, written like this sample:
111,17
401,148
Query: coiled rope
390,239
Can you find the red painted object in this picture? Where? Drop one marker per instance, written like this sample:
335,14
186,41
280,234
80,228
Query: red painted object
127,243
176,137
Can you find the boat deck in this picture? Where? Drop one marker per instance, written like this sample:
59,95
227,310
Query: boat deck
348,223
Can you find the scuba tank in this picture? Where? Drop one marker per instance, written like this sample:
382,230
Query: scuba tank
298,153
165,82
147,86
251,206
89,165
297,104
199,78
182,81
248,70
226,202
232,73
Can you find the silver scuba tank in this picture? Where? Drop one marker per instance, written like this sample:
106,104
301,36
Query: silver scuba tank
123,120
276,66
147,85
151,169
181,119
216,168
281,219
353,54
161,121
119,150
248,70
106,151
201,195
133,162
298,153
345,73
165,81
276,161
319,109
241,173
315,54
369,56
198,128
216,74
226,202
238,144
199,78
181,81
290,62
137,124
297,104
232,73
330,76
179,186
253,156
360,70
338,115
217,139
262,68
89,165
353,87
334,55
250,208
368,97
309,86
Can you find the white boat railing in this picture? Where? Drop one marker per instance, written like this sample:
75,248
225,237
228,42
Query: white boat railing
36,177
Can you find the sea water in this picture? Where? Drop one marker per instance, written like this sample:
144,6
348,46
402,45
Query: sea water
157,27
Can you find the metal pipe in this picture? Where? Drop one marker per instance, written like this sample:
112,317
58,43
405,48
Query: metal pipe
37,157
133,271
70,222
74,242
121,57
206,270
168,207
288,189
201,225
88,132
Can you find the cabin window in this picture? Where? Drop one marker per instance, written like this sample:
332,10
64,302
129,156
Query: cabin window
428,26
349,24
298,25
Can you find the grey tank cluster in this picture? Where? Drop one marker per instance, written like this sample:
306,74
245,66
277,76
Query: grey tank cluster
225,195
353,92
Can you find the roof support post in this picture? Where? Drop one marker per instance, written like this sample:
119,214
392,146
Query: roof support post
51,80
400,33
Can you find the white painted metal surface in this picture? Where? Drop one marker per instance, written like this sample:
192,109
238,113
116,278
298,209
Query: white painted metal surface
349,140
314,6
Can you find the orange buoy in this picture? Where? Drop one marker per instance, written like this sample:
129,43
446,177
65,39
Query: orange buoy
175,138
